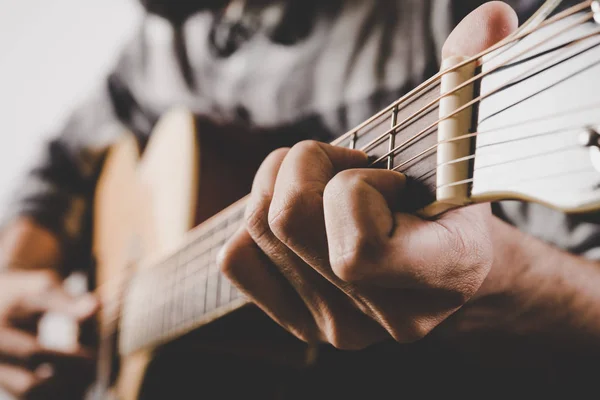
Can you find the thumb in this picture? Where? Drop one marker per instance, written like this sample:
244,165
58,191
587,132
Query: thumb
481,29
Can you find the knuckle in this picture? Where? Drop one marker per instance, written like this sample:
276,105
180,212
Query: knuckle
277,154
342,184
280,218
227,260
307,147
285,217
257,218
359,262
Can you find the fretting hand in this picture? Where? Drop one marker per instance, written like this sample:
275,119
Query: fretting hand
328,255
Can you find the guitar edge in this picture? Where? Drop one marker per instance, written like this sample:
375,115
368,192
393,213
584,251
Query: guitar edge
144,206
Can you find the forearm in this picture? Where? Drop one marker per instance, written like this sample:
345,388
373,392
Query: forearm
535,290
25,244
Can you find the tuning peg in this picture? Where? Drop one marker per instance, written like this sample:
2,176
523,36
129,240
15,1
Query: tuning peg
590,138
596,10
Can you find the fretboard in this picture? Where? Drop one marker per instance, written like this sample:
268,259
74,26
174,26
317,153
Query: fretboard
186,290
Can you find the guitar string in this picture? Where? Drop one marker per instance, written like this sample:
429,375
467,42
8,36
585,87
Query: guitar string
470,135
218,243
478,99
529,180
434,80
428,107
430,149
566,13
463,137
395,151
124,280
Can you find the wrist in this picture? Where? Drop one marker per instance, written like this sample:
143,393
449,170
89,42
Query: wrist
514,254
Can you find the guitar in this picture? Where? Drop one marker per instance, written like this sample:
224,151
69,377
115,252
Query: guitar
519,121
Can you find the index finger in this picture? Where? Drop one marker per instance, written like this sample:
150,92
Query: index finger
296,212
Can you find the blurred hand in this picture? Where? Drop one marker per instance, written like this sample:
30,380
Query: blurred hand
27,369
327,253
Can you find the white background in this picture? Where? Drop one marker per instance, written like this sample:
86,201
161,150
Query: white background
51,53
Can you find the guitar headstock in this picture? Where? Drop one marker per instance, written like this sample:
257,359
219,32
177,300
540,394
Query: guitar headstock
537,137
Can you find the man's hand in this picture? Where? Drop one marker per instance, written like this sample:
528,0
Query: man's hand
327,253
27,369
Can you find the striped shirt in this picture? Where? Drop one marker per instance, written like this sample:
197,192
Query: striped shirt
328,65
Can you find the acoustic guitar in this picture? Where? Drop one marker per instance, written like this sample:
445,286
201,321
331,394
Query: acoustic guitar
519,121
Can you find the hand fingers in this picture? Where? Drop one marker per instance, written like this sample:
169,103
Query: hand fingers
21,382
329,307
481,29
296,211
43,292
23,348
370,243
242,261
359,221
17,346
427,249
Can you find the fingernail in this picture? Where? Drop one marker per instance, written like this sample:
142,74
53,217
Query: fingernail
85,305
44,371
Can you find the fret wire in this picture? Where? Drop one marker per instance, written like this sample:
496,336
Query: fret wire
201,294
392,139
409,120
179,308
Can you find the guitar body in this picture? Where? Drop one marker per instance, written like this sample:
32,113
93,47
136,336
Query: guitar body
144,206
146,203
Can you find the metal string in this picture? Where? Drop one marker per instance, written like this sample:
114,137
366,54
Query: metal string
478,99
531,26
